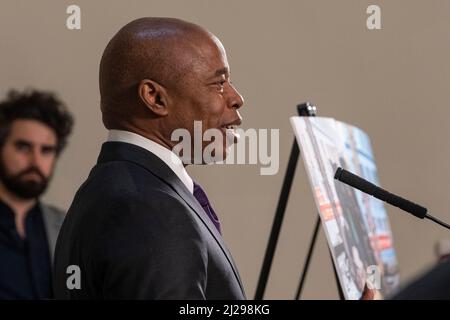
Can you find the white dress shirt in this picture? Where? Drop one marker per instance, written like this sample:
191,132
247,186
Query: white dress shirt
166,155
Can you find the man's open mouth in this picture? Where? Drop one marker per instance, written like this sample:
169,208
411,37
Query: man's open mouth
230,126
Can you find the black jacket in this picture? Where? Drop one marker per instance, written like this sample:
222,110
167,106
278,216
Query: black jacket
136,232
433,285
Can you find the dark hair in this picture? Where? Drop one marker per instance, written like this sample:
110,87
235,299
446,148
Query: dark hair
36,105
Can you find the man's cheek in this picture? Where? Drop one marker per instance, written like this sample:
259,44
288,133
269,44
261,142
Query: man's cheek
216,107
48,171
14,166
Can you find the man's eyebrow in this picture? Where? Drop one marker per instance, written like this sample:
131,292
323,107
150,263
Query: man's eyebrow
223,71
49,147
22,142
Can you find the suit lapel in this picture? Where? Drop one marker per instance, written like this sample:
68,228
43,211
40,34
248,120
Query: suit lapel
124,151
52,226
189,198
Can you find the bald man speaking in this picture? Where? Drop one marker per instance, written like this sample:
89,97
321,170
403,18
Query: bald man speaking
140,227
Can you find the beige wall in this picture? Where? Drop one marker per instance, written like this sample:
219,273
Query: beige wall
393,83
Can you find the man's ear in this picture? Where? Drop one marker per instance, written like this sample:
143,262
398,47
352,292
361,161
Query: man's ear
154,96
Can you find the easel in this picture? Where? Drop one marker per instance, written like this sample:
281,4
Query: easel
303,110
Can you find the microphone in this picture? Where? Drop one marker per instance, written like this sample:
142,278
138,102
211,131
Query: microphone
379,193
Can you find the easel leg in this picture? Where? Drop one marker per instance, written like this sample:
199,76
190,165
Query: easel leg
312,244
279,215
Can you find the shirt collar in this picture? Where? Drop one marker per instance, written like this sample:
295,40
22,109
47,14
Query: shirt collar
166,155
7,215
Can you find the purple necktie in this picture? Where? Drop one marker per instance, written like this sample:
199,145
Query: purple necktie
201,197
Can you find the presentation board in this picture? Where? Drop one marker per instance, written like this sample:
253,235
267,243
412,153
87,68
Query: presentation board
356,225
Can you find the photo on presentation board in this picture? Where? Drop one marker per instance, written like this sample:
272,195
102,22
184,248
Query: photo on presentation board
356,225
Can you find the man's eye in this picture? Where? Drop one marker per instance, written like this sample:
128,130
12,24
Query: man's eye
221,84
22,147
48,151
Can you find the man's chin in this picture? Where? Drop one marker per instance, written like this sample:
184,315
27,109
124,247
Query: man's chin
217,156
27,189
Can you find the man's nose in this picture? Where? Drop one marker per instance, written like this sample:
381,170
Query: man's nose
36,158
236,100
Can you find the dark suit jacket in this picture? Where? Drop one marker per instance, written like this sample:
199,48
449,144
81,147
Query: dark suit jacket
433,285
136,232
